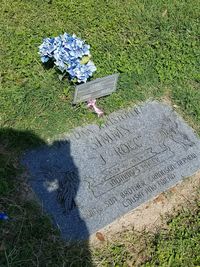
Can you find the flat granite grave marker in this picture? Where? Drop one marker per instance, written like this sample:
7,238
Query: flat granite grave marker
95,175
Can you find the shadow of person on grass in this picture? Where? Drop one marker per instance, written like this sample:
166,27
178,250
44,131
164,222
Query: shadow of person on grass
55,180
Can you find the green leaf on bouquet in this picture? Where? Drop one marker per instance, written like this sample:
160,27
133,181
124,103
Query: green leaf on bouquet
85,59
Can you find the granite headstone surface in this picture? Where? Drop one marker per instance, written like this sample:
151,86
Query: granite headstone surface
95,175
96,88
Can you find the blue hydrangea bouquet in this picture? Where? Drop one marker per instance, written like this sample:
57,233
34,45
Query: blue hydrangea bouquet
70,54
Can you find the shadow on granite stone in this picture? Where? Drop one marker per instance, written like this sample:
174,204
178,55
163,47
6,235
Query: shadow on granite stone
55,180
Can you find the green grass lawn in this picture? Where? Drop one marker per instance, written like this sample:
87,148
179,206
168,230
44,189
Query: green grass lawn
154,41
154,46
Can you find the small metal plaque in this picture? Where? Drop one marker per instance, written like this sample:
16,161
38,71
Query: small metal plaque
95,89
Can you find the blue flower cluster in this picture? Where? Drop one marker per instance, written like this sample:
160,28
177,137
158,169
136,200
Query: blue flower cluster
3,216
69,54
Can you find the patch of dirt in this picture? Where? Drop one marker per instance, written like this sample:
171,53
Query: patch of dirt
152,215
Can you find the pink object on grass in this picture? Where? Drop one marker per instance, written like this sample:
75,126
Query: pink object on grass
92,105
